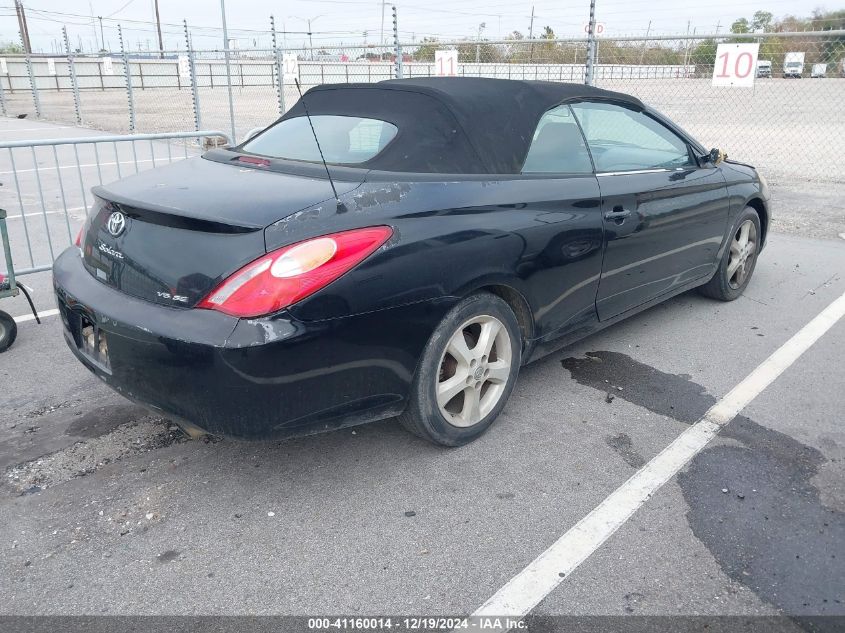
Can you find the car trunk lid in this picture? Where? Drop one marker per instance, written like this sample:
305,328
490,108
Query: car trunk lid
170,235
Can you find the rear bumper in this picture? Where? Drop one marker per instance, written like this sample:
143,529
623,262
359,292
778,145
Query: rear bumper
247,378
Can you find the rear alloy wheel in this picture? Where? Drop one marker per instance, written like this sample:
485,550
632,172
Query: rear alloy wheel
739,260
467,372
474,371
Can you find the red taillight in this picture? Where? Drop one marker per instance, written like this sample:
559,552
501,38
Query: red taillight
290,274
78,241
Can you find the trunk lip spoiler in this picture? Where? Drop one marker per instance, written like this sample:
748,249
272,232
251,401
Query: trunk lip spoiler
135,206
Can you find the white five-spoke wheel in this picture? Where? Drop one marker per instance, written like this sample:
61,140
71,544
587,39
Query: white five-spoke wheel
739,258
743,249
466,372
474,370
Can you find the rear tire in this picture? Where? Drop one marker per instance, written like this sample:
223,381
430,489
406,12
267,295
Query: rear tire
739,259
8,331
467,372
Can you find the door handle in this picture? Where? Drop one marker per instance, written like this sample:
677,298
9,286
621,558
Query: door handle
618,215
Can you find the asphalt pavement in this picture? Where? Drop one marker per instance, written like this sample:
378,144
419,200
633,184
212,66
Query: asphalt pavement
107,509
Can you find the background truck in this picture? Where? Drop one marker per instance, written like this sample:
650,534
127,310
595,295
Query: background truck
764,68
793,65
818,71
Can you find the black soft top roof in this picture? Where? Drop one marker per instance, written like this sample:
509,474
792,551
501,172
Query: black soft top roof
452,124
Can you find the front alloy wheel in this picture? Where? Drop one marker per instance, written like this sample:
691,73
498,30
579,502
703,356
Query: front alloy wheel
738,260
743,250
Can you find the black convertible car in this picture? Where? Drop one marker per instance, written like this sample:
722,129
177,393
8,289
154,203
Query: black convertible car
458,229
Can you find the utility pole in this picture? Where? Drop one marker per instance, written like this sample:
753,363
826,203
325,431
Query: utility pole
310,41
531,35
228,69
645,42
158,29
93,25
531,25
383,4
102,37
478,42
22,25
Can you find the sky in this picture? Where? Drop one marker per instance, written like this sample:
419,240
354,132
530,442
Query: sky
355,21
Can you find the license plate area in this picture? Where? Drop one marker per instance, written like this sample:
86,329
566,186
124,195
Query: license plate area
93,344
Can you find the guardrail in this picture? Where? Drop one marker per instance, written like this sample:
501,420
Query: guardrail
61,174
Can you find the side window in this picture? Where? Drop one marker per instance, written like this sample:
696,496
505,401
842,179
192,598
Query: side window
622,139
558,146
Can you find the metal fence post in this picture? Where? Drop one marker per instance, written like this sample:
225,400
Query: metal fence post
2,100
591,42
35,100
195,93
397,47
73,82
277,65
128,74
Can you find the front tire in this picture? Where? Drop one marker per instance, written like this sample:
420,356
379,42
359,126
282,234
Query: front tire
739,260
8,331
467,372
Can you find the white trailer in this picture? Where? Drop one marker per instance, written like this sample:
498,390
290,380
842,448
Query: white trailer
819,71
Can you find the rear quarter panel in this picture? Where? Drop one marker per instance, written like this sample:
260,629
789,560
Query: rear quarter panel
540,236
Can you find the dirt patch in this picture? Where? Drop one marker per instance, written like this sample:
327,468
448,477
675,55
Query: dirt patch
88,456
622,444
105,419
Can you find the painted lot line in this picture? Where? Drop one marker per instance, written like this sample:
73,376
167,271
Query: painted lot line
530,586
38,214
41,315
161,160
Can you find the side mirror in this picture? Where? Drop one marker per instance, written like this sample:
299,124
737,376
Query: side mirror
715,156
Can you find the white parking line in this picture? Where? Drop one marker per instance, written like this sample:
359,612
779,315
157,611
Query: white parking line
41,315
530,586
40,213
160,160
36,129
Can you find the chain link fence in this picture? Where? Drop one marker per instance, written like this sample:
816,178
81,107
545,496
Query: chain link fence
789,128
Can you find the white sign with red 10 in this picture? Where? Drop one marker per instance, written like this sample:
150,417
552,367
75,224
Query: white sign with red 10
735,65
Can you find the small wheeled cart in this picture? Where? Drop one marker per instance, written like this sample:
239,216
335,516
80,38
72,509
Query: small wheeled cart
10,288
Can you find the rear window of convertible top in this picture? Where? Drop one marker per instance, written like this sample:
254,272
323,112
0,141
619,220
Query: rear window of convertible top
345,140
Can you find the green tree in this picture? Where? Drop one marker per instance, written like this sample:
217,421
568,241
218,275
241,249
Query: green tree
762,21
704,54
740,25
10,48
425,52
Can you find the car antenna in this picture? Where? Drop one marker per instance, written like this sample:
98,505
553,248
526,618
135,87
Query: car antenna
317,141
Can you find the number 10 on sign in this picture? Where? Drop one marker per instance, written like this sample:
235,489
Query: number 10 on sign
735,65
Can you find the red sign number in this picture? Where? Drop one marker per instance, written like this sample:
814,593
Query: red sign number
743,65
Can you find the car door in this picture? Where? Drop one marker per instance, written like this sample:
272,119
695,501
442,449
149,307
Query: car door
563,227
664,215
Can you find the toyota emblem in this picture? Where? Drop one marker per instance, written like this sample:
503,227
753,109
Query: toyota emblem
116,223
